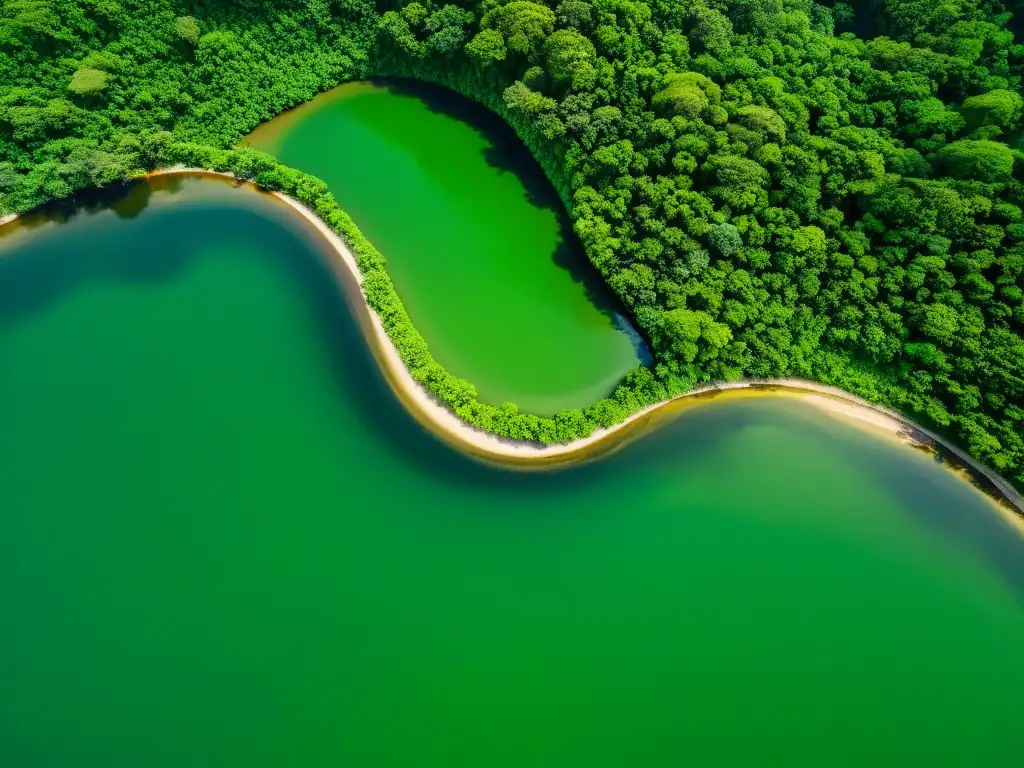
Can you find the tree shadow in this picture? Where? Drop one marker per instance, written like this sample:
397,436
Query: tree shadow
43,262
506,153
986,535
125,199
935,501
930,501
36,277
359,380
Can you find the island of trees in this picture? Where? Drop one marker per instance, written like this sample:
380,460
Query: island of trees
773,187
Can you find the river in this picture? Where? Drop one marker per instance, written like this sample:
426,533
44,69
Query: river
223,542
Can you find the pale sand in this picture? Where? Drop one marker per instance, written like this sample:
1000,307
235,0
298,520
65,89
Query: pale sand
482,445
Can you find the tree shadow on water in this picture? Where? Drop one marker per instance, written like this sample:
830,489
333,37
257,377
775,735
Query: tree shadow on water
359,381
954,514
126,200
930,496
53,251
506,153
40,274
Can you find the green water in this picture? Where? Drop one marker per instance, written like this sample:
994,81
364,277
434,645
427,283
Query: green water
223,543
476,241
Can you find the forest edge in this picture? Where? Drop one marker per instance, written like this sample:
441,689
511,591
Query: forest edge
494,449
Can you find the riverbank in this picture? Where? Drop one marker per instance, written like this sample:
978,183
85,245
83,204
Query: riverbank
452,430
491,448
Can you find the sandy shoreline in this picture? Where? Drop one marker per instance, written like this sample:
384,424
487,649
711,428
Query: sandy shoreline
484,445
496,450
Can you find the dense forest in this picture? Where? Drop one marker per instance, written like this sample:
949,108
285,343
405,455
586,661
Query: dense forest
772,187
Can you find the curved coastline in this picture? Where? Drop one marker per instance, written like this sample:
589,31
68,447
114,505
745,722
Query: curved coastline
521,455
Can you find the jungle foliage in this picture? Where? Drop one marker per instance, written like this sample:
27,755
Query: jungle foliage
773,187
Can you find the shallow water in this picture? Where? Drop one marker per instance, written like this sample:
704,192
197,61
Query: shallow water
223,543
476,241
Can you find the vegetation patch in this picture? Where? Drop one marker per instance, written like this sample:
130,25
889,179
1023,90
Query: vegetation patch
772,187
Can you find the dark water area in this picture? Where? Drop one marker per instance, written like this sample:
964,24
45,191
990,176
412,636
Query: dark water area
477,242
223,542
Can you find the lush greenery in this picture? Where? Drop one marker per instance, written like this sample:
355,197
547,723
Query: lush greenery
773,187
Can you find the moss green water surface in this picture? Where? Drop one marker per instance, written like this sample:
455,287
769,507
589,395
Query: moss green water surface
223,543
476,241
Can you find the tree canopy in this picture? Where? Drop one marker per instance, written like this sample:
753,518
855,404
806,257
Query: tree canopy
773,187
